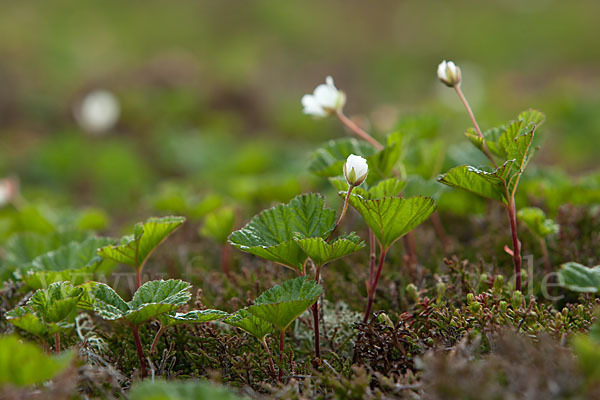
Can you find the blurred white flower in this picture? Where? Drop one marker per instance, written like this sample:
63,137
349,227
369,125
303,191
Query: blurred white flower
355,170
98,112
325,100
9,187
449,73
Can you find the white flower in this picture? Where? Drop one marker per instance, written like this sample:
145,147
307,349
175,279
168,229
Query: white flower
449,73
98,112
325,100
9,188
355,170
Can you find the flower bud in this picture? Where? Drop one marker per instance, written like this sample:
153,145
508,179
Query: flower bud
449,73
325,100
355,170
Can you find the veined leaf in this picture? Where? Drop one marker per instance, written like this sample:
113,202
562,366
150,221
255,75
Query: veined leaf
135,249
482,183
151,300
48,310
329,160
283,303
192,317
499,139
390,218
72,262
580,278
536,221
322,252
257,327
23,363
56,303
271,233
219,224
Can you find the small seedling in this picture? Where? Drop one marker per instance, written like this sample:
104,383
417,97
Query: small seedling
512,143
151,300
49,311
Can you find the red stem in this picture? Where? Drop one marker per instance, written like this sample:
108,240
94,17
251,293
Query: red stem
315,311
271,365
358,131
512,215
138,277
161,330
140,351
475,124
373,285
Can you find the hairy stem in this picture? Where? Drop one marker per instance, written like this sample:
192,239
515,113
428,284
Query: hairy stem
475,124
358,131
140,351
373,285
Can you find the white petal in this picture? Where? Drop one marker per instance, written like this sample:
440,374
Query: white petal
327,96
329,81
311,106
441,71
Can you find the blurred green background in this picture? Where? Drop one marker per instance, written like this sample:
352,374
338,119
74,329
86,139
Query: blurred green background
210,90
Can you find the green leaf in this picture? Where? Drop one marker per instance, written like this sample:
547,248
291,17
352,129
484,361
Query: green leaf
192,317
536,221
257,327
499,139
329,160
73,262
580,278
57,302
271,233
381,164
150,300
23,363
322,252
219,224
283,303
48,310
390,218
24,318
485,184
135,249
180,390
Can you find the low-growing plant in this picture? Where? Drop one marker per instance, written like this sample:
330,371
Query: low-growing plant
151,300
49,311
512,143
